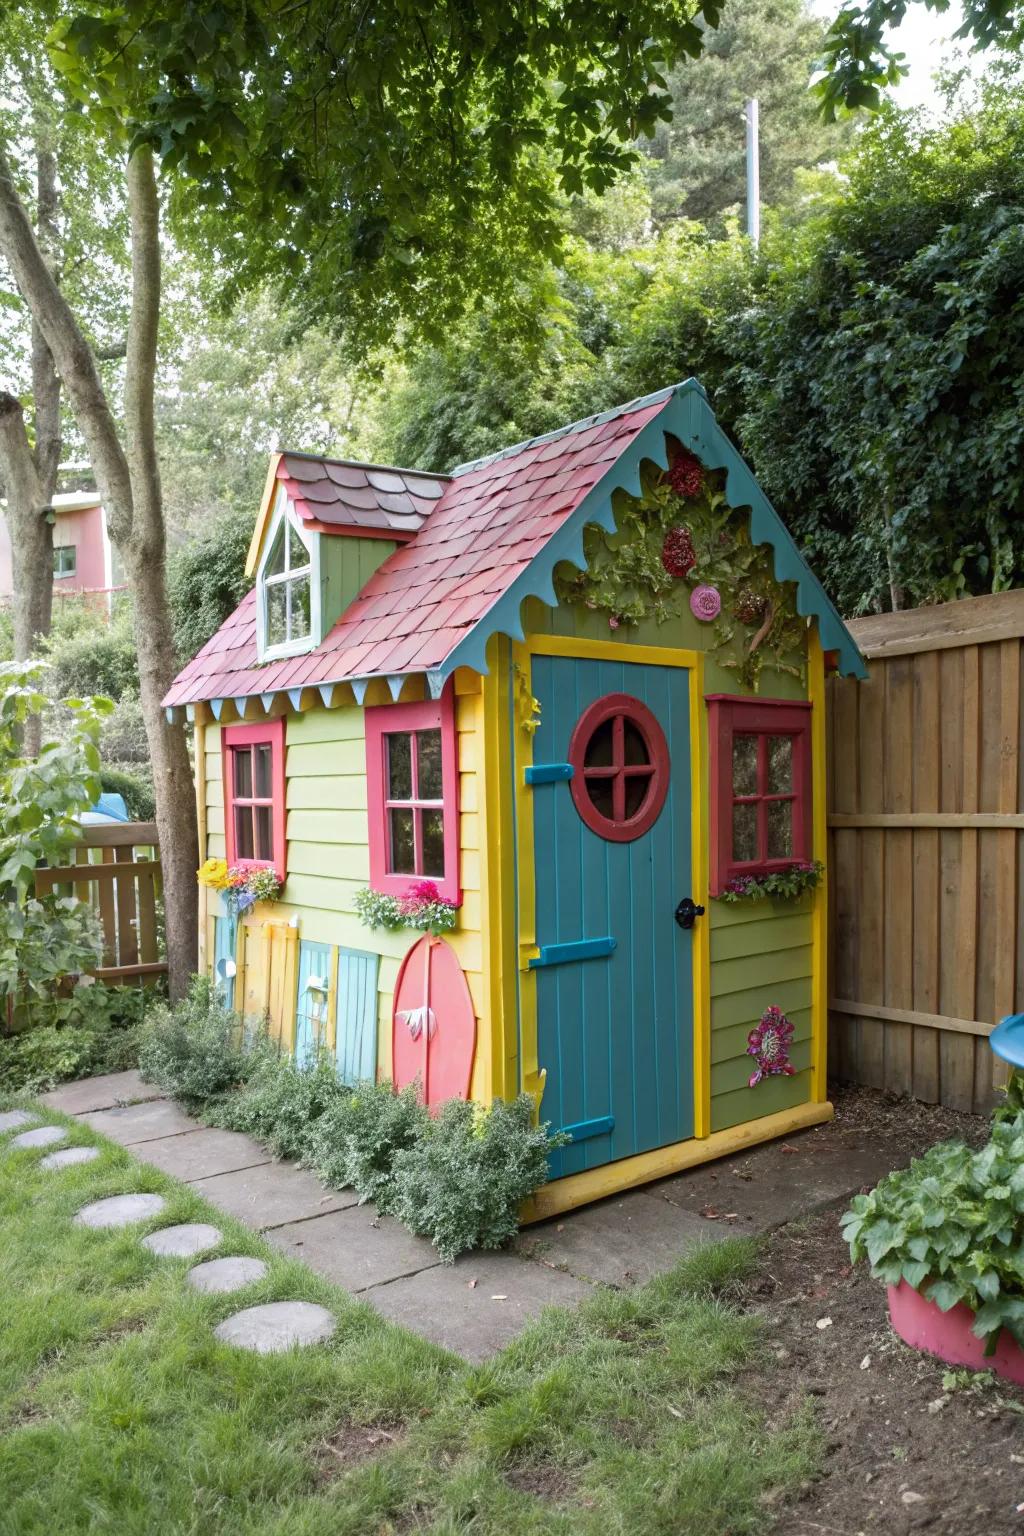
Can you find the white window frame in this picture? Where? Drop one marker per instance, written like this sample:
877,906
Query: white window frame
282,512
64,575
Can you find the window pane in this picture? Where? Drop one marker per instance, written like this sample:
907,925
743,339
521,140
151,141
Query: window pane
277,614
399,766
744,765
634,744
243,833
780,765
637,788
264,755
403,860
599,748
301,598
243,772
275,565
298,555
428,748
264,832
744,833
600,792
433,843
780,829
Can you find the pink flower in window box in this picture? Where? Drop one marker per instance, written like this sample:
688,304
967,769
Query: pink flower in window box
769,1045
705,603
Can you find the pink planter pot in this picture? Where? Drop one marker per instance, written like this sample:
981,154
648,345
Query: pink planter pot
920,1323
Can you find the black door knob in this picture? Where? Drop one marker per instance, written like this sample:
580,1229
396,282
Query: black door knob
688,912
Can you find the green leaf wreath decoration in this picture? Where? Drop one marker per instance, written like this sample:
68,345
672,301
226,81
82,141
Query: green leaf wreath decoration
681,534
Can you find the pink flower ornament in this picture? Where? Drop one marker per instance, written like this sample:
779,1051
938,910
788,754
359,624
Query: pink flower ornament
705,603
769,1045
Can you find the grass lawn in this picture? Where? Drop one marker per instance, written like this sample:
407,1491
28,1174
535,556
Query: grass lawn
647,1411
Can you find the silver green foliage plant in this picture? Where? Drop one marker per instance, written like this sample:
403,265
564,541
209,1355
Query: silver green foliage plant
423,908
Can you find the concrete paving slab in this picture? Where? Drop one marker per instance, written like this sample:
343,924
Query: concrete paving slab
132,1124
355,1248
277,1326
272,1195
475,1320
101,1093
67,1157
119,1211
620,1242
184,1241
42,1136
11,1119
219,1277
202,1152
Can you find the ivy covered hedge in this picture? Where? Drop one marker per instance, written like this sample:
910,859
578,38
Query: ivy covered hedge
457,1178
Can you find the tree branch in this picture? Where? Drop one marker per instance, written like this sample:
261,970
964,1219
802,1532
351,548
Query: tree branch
71,354
140,372
112,352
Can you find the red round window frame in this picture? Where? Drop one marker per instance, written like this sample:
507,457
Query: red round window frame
642,719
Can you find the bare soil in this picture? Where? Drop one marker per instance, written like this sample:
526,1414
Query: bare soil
905,1452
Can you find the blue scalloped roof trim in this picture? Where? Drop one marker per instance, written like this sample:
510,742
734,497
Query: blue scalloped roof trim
688,417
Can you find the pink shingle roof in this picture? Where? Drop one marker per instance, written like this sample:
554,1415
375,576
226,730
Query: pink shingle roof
478,537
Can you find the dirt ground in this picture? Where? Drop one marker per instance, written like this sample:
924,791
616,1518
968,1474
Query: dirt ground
905,1452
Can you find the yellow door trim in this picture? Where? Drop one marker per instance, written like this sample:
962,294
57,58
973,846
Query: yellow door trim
611,650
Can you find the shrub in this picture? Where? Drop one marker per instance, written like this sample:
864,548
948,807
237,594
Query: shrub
98,1031
88,654
198,1049
138,792
462,1183
358,1139
952,1226
282,1103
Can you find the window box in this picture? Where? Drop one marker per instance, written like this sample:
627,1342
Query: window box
760,786
413,795
254,796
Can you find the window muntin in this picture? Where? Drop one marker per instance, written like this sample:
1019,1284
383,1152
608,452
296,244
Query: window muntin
760,786
620,767
65,560
254,795
412,785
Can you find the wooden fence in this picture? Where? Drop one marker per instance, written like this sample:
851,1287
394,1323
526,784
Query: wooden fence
926,838
117,868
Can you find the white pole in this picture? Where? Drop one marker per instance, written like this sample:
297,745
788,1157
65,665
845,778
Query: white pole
753,172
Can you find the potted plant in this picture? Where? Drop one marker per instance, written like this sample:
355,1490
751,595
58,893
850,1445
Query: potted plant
946,1235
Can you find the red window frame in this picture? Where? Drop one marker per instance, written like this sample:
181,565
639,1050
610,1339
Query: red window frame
240,738
730,715
383,720
618,828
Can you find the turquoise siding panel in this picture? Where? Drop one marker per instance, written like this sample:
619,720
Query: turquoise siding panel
356,1048
311,1004
225,935
615,1029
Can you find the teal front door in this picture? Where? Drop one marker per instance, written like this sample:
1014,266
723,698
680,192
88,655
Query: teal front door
611,792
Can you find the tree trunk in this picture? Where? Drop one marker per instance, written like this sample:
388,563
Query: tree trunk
129,484
31,541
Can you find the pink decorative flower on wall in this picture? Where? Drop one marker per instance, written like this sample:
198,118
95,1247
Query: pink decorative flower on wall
705,603
769,1045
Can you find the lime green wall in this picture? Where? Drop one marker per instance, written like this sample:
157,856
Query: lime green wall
346,565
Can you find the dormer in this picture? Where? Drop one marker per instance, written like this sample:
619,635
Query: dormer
324,527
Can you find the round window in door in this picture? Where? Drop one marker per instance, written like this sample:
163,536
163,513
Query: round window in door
620,766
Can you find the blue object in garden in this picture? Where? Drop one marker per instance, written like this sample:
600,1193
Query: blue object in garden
1007,1039
107,808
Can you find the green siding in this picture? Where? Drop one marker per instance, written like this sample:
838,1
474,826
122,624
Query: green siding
346,565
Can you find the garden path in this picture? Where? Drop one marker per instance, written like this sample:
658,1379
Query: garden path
476,1305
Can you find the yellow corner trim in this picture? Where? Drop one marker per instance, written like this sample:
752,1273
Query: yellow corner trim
253,557
819,845
701,893
610,650
580,1188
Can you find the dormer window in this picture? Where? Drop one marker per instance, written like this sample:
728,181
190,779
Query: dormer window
288,586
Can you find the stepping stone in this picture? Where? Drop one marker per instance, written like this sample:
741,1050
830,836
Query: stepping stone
12,1118
182,1242
120,1210
219,1276
69,1156
277,1326
42,1136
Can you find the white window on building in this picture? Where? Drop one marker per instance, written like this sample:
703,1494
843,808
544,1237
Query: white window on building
288,587
65,560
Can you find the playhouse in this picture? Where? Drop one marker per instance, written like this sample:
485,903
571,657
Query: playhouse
530,759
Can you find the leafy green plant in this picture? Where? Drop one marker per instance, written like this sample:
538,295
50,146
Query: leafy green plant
462,1182
422,908
197,1049
1011,1106
97,1030
952,1226
358,1139
282,1103
783,883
